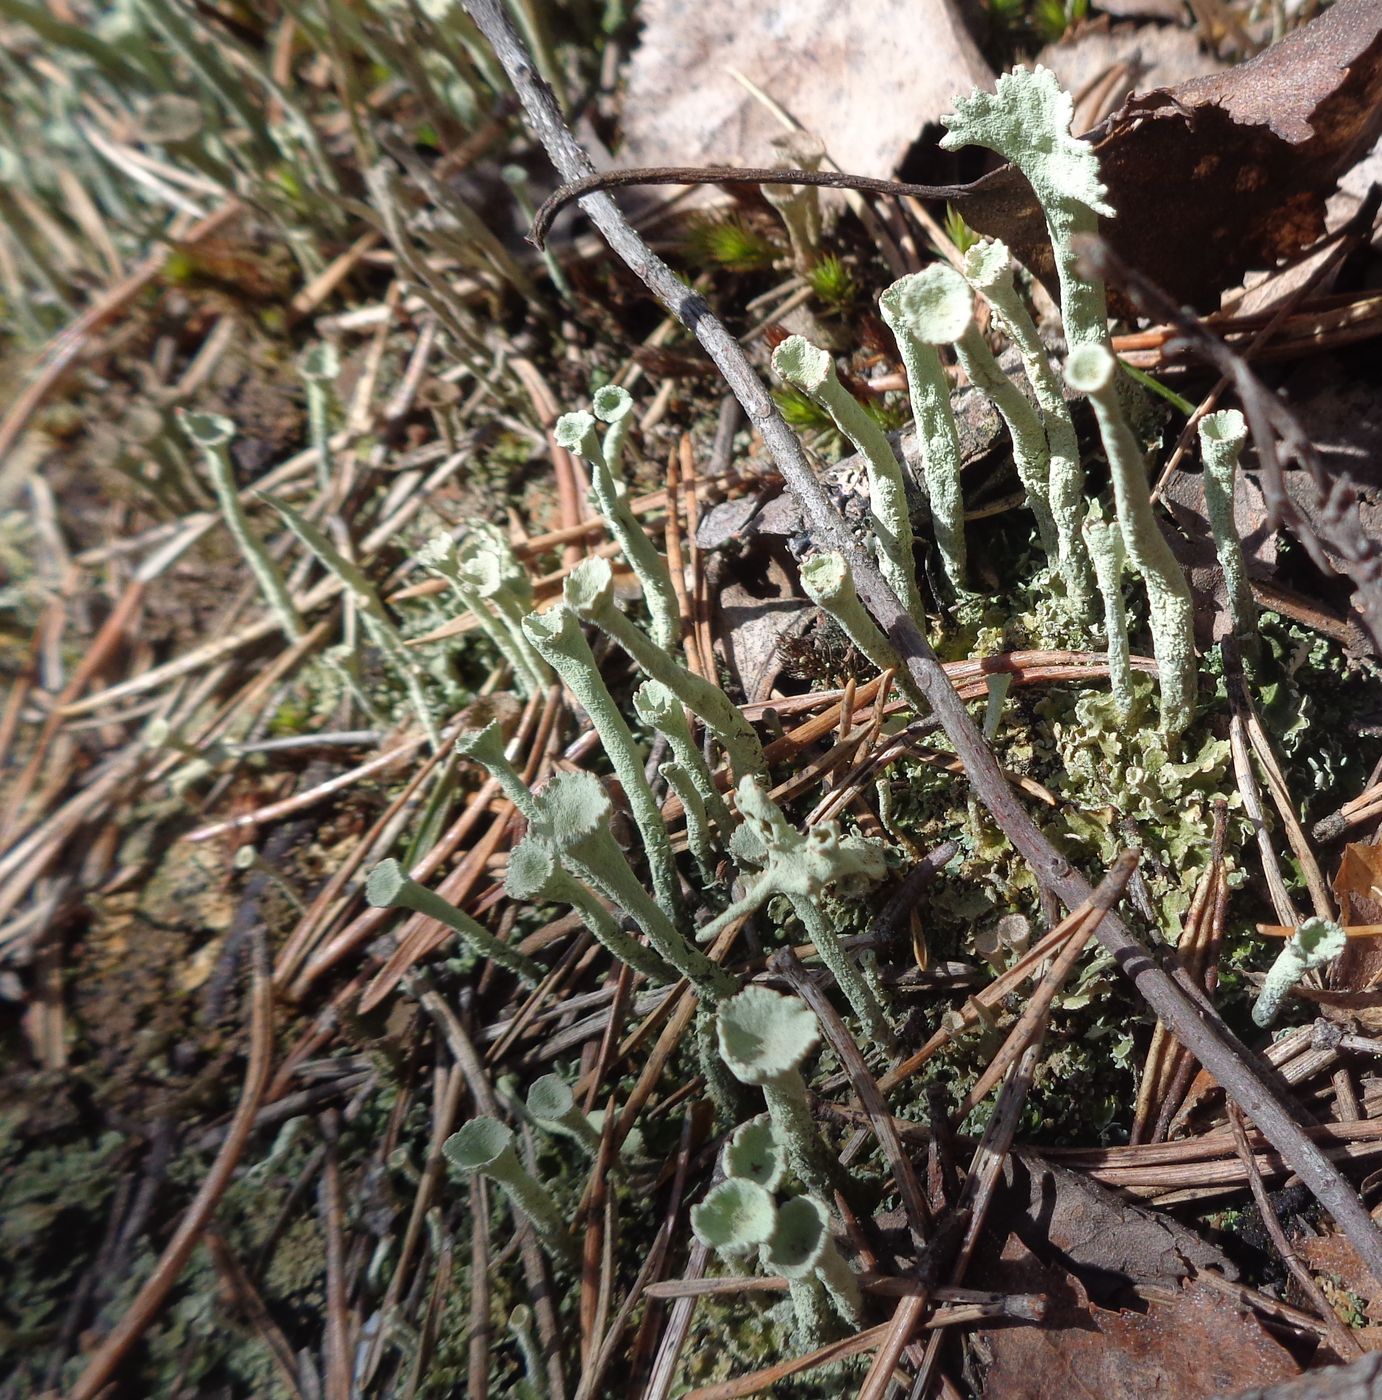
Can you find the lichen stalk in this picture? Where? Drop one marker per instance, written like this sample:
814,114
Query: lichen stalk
799,206
659,708
829,584
390,887
811,370
576,432
1222,436
485,1146
1104,540
1092,370
988,267
589,593
486,747
938,436
698,840
937,305
375,616
534,873
574,816
559,641
213,435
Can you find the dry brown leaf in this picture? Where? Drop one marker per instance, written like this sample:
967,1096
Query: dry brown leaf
1335,1256
1113,61
1358,969
1224,173
1197,1342
1360,879
865,81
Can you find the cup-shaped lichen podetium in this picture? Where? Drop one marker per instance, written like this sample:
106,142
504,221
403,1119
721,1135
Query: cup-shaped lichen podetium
576,432
574,818
486,747
735,1218
534,873
754,1153
802,1251
1092,370
589,593
764,1038
485,1145
557,635
390,887
811,370
552,1105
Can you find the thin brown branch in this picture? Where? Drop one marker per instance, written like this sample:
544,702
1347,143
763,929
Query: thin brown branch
598,182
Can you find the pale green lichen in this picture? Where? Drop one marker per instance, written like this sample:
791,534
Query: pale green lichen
658,708
812,371
755,1153
1092,370
320,366
534,873
829,583
375,615
1104,540
552,1106
485,1146
559,640
988,267
802,1251
390,887
734,1219
589,593
1315,943
938,437
213,435
764,1038
799,206
576,432
486,747
938,302
1222,436
573,818
1026,119
494,588
802,866
698,838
